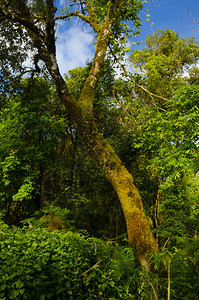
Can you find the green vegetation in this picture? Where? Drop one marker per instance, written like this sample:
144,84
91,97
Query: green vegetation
99,185
37,264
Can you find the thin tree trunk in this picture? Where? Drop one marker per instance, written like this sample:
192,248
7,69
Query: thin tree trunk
156,199
169,280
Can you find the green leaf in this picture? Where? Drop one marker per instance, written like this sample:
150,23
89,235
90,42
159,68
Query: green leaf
127,49
2,287
22,291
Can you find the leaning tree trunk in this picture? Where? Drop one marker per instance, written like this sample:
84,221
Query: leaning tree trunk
138,227
81,113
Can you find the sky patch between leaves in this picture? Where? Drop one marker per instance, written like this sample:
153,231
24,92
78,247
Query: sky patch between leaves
74,47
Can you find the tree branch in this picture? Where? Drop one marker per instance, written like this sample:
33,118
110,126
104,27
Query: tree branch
88,19
104,36
89,89
25,21
93,267
133,80
92,14
50,27
194,20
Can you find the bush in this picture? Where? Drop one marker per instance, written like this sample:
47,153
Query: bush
37,264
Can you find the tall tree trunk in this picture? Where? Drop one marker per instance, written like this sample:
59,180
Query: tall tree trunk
138,227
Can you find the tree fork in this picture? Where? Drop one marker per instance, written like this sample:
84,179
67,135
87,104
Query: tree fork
138,228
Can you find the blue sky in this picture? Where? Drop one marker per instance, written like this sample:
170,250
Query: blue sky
74,47
173,14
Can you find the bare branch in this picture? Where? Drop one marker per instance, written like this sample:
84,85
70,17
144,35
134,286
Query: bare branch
194,20
165,244
32,71
93,267
86,19
148,92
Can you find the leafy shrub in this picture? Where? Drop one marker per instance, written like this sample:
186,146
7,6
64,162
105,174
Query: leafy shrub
37,264
179,268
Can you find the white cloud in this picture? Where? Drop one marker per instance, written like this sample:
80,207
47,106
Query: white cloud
62,2
74,47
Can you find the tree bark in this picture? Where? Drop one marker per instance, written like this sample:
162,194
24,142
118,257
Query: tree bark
138,227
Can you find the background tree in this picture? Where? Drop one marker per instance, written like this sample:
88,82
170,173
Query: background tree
31,127
164,59
164,131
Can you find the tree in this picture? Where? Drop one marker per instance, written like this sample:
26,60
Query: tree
31,128
164,59
107,19
172,121
164,131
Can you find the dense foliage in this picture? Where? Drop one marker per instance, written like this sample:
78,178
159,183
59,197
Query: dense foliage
37,264
63,233
40,264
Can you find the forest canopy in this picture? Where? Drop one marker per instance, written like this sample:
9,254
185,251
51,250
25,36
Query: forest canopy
103,162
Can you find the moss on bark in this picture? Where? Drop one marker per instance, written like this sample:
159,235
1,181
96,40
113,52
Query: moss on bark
138,227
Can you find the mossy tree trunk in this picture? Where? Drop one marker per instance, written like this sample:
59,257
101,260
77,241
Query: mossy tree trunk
138,227
81,114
